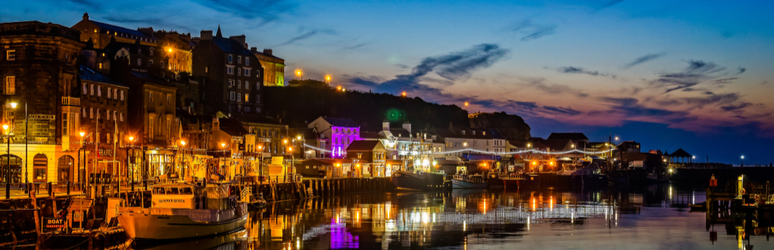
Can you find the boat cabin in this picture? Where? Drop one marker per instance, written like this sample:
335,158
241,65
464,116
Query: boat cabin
173,196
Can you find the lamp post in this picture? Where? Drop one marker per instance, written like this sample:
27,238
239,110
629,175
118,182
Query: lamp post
133,163
225,161
184,170
81,175
742,160
292,159
7,128
260,163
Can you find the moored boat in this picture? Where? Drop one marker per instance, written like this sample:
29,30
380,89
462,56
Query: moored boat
420,180
469,182
181,211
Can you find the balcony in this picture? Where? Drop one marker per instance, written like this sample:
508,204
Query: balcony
71,101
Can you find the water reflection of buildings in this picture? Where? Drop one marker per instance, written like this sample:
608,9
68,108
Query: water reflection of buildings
435,220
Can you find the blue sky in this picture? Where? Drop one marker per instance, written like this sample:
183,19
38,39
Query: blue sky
691,74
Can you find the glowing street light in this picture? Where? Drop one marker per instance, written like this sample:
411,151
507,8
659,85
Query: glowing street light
13,105
169,49
529,145
223,145
182,142
572,145
616,138
299,73
5,127
84,134
403,94
338,88
328,78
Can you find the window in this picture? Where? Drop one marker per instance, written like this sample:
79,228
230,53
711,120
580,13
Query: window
100,65
247,109
162,64
109,93
247,97
230,58
247,61
115,114
10,85
122,95
85,89
239,84
10,55
169,97
206,69
150,62
231,95
64,124
247,72
99,91
239,59
247,85
230,70
122,116
239,97
150,97
150,52
139,51
257,85
91,113
230,83
257,98
84,112
91,86
139,61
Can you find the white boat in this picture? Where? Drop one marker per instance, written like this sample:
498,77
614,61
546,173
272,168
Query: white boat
182,211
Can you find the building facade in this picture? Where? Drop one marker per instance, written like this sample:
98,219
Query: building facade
273,67
231,76
101,34
340,131
38,70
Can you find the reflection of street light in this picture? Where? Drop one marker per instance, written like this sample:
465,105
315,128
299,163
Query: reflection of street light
134,165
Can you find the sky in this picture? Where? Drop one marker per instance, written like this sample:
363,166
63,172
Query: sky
697,75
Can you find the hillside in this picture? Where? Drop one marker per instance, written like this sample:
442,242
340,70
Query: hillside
297,106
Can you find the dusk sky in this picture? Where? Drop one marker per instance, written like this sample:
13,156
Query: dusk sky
692,74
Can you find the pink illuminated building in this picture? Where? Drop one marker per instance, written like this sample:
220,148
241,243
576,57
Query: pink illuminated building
340,131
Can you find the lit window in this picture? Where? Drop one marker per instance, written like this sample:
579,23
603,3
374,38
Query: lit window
100,65
10,55
122,95
10,85
109,93
99,91
246,97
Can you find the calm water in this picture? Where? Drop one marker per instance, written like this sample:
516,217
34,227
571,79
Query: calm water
654,218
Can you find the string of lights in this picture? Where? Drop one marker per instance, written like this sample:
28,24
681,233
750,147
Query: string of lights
533,151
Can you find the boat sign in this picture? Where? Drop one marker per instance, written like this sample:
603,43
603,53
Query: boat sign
54,223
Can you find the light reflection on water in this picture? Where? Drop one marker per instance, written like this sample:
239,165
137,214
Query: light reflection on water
654,218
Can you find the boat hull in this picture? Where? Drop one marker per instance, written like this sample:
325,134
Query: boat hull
146,227
460,184
419,181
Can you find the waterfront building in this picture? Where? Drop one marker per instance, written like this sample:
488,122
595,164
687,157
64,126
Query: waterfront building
228,135
340,131
463,142
101,34
273,67
270,134
175,47
230,75
369,158
324,168
38,72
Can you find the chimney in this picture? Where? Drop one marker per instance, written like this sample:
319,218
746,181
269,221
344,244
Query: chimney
86,16
267,51
239,39
206,35
385,125
407,127
254,49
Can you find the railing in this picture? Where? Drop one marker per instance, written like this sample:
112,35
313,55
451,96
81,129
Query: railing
71,101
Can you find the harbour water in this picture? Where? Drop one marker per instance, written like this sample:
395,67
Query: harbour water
656,217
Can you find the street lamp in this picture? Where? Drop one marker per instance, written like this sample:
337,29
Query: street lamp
403,94
134,165
292,164
742,160
328,78
466,106
299,73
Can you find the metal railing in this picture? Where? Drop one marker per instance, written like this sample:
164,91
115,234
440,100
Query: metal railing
71,101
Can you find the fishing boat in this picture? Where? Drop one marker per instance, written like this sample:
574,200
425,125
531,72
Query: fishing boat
469,182
182,211
521,181
585,177
420,180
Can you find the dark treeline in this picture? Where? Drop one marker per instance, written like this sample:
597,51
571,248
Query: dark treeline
303,103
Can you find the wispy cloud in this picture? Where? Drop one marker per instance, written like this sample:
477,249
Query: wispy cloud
353,47
303,36
265,10
696,73
643,59
578,70
531,31
608,4
453,66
